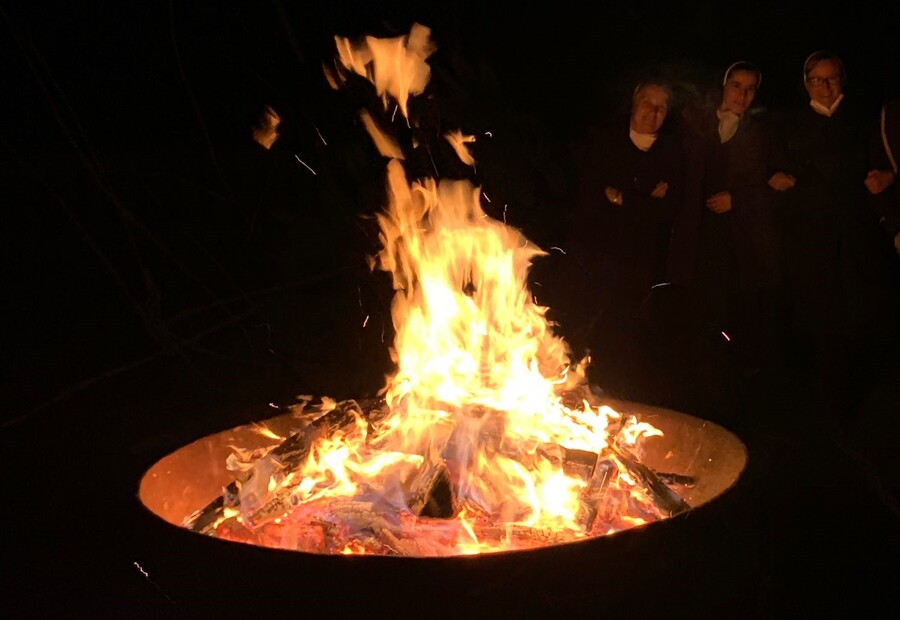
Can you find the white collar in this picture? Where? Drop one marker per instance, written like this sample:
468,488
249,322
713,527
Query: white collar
642,140
819,108
728,124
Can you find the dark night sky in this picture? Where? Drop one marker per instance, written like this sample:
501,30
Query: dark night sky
104,100
129,70
164,277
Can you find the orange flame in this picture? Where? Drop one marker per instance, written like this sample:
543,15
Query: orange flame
480,373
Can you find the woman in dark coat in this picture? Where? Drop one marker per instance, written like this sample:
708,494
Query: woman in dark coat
738,272
839,265
630,186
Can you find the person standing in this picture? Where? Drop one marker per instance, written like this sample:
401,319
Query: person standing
629,186
841,290
738,271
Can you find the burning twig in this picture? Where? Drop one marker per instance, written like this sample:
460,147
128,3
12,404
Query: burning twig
286,457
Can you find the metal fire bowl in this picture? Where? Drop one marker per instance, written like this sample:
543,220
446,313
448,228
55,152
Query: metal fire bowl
652,568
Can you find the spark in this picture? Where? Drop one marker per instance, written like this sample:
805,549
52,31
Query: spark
321,137
489,134
726,336
141,568
557,248
486,197
153,583
297,157
365,321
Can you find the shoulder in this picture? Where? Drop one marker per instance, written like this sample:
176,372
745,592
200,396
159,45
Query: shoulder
758,114
758,119
670,144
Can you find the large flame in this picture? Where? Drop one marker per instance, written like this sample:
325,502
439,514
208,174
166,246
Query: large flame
480,376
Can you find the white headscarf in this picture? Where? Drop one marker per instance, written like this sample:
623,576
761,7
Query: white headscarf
728,120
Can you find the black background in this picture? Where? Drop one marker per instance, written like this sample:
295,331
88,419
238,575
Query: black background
144,111
164,277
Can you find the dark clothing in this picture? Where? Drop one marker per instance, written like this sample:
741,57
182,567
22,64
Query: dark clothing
887,153
621,250
840,276
742,166
834,251
738,275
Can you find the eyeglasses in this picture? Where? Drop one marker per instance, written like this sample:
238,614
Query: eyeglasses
819,81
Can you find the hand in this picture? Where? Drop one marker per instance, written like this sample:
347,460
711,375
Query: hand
660,190
782,181
878,180
613,195
719,203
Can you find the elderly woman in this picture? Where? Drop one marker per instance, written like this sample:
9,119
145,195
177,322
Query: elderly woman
630,185
731,218
839,264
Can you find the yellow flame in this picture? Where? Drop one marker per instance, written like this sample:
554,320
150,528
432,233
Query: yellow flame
266,131
480,372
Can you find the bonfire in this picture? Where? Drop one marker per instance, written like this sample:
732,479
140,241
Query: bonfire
487,436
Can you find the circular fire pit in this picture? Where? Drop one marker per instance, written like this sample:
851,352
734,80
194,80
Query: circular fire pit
643,568
489,484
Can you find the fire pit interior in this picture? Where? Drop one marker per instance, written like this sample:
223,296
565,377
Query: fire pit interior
486,439
697,459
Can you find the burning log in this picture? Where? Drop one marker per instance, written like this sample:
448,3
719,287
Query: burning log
594,494
287,456
522,537
679,479
262,504
430,492
599,471
665,498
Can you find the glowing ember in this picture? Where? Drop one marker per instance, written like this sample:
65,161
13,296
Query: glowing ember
486,437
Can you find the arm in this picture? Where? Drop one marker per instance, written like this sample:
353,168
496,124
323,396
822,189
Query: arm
881,171
658,191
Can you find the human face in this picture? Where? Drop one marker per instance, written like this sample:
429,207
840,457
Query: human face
824,83
649,109
739,91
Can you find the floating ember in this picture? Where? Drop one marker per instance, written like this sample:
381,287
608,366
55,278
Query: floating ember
487,436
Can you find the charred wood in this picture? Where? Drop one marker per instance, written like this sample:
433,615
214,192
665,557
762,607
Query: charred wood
288,455
431,493
665,498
